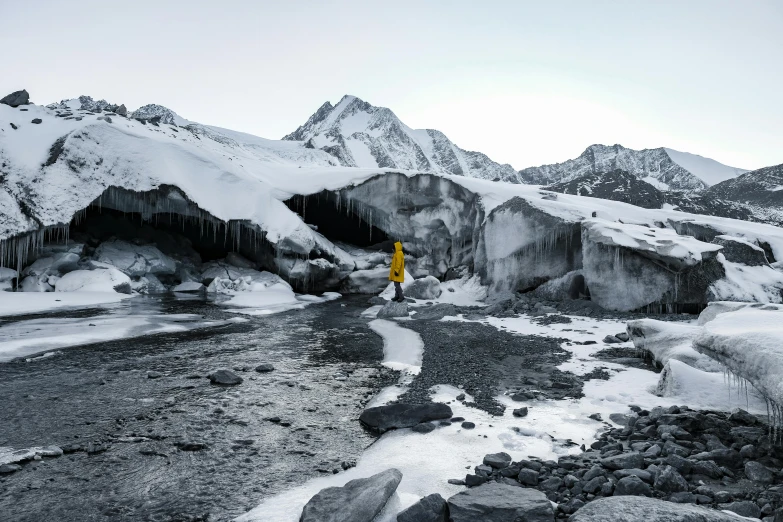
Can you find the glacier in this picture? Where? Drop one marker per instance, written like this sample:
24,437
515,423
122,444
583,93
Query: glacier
292,209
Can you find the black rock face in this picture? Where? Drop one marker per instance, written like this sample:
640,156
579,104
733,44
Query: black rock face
616,185
15,99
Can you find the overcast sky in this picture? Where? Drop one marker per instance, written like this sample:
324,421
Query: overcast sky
526,83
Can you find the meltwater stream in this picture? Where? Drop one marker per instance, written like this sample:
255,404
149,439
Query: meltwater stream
123,431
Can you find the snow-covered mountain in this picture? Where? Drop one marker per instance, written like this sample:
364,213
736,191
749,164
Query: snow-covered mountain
762,187
617,185
361,135
666,169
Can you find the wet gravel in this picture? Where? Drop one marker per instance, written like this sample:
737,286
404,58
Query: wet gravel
485,361
175,447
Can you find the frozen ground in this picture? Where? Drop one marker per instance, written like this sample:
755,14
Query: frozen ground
427,461
22,303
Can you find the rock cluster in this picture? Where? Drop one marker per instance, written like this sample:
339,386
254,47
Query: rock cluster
718,460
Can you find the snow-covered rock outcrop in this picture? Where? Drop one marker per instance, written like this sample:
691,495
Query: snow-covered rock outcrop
617,185
361,135
666,169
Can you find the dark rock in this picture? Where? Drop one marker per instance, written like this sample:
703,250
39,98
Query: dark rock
624,461
757,472
122,110
623,336
393,309
670,481
14,126
682,497
748,451
722,497
424,427
528,477
744,508
494,502
681,464
520,412
9,468
740,416
37,121
643,509
551,484
431,508
642,474
15,99
264,368
395,416
456,482
461,397
596,417
468,425
611,339
225,378
497,460
472,481
191,446
154,375
595,471
360,500
723,457
739,251
707,468
594,485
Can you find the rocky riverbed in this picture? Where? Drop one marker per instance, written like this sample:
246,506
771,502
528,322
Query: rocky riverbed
146,436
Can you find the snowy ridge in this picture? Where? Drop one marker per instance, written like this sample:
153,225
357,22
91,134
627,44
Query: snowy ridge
673,170
361,135
617,185
762,187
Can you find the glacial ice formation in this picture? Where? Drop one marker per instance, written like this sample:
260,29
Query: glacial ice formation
213,192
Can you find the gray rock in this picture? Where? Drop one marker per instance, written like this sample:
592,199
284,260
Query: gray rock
528,477
425,288
708,468
745,508
739,251
391,310
682,497
551,484
264,368
595,471
520,412
9,468
435,312
468,425
594,485
431,508
154,375
494,502
122,110
632,485
15,99
611,339
360,500
225,378
643,509
497,460
395,416
723,457
640,473
748,451
624,461
670,481
757,472
37,121
424,427
623,336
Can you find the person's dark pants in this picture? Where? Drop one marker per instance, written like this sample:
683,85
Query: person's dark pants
398,292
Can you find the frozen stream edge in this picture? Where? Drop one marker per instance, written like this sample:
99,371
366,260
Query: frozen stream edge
427,461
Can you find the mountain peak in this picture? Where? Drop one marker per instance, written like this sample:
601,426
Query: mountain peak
359,134
153,110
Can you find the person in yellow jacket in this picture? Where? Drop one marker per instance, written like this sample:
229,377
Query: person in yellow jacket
397,272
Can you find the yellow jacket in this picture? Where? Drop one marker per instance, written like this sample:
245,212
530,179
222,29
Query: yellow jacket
397,271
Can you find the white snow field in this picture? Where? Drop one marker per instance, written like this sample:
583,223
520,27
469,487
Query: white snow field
708,170
426,462
21,303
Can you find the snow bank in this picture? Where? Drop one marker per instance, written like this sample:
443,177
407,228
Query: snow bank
666,341
98,280
749,342
20,303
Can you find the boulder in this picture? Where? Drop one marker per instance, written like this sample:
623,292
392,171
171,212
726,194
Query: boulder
520,412
431,508
434,312
122,110
495,502
669,480
225,377
264,368
497,460
99,280
757,472
738,250
636,509
36,121
391,310
632,485
360,500
369,281
15,99
744,508
425,288
135,260
630,460
396,416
